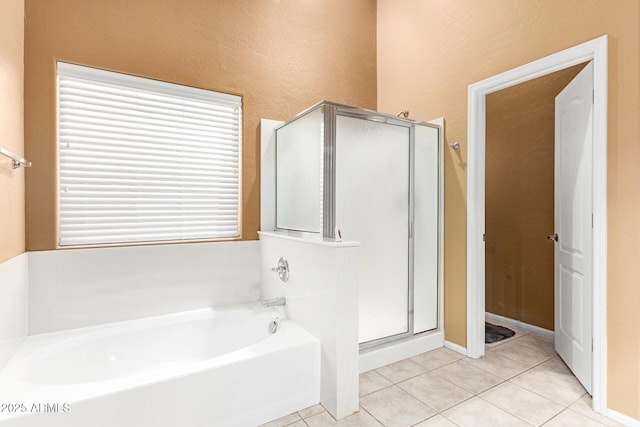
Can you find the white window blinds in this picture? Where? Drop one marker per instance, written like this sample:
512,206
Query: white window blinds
143,161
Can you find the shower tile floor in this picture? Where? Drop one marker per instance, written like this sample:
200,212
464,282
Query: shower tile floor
520,382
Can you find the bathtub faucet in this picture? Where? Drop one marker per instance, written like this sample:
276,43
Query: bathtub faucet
274,301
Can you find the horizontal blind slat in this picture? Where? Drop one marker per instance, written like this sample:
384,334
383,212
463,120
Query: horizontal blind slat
222,145
95,89
144,161
74,104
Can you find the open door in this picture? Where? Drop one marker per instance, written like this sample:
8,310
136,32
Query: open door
573,225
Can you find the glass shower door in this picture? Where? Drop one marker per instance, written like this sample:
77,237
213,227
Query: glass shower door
371,206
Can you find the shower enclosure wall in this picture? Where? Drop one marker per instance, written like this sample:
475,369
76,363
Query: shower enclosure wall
353,174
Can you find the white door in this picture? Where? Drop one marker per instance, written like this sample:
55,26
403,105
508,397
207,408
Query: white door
573,224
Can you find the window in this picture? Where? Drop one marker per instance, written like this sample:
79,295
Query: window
145,161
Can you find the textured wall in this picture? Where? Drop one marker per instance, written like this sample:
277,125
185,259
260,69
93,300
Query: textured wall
519,199
429,51
281,56
11,127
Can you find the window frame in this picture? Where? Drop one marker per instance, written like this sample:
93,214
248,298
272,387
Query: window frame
66,69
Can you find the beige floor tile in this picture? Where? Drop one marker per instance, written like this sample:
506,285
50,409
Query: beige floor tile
435,391
361,419
468,377
569,418
311,410
284,421
372,381
437,358
523,351
394,407
298,424
320,420
555,365
539,340
475,412
546,337
522,403
400,371
436,421
500,366
585,407
550,381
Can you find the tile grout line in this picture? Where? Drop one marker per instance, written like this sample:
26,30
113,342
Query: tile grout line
473,394
375,391
428,418
470,391
446,409
370,414
509,412
538,394
426,370
517,360
514,360
555,416
502,381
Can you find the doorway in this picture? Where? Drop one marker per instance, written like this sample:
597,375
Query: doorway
519,269
596,51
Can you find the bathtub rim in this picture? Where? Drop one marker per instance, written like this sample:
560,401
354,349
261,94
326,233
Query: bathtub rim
289,335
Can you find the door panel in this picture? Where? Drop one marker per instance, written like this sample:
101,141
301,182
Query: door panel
573,222
425,230
571,286
372,200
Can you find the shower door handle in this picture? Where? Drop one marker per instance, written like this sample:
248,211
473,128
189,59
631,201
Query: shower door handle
553,237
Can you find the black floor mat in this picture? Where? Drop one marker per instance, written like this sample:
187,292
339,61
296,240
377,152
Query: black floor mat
494,333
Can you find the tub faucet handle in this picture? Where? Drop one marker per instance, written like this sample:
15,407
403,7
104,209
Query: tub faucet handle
282,269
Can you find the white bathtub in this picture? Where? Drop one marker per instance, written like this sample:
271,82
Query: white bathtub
211,367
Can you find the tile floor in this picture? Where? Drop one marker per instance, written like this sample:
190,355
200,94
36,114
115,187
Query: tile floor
520,382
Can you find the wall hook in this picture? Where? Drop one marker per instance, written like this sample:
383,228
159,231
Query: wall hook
455,145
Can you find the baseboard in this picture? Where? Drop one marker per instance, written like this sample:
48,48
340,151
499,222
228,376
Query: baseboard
622,418
455,347
399,350
519,324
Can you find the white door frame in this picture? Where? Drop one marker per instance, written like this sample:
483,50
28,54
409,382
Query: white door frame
593,50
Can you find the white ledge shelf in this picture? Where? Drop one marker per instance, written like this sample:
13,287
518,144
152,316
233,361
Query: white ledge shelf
307,239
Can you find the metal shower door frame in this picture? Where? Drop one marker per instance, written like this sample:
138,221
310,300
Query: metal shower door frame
330,113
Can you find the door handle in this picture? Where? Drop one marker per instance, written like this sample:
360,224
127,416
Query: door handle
553,237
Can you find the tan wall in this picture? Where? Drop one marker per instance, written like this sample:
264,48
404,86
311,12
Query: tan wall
430,51
282,56
519,199
11,127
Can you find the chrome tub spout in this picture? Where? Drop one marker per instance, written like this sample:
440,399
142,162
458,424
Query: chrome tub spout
274,302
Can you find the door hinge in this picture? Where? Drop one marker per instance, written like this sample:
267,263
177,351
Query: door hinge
592,220
484,237
593,96
411,230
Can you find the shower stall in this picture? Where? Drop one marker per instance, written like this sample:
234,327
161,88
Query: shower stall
359,175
